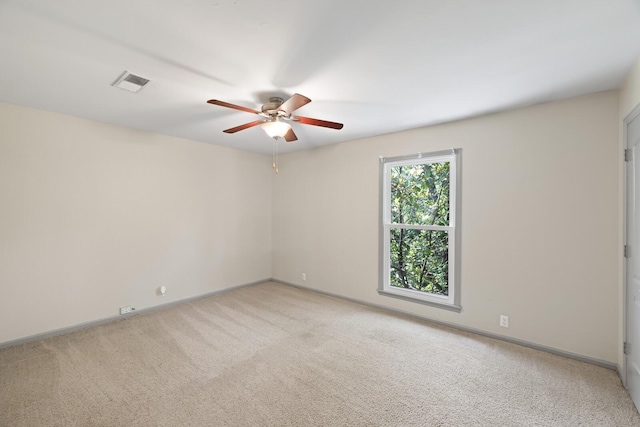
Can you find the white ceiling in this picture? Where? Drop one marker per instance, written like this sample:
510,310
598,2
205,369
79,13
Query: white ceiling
376,66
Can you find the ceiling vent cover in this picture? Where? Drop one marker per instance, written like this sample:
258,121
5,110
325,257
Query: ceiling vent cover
131,82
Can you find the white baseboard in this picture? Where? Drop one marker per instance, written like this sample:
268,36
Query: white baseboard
62,331
558,352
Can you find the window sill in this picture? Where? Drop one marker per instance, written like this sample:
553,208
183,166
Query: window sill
446,306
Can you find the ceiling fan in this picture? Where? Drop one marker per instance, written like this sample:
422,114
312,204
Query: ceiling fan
275,117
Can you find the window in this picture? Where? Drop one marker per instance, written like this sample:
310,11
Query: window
418,228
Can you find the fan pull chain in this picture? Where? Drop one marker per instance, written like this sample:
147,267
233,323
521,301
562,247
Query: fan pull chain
275,155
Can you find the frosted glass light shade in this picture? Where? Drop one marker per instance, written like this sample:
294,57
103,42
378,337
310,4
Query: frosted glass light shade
276,129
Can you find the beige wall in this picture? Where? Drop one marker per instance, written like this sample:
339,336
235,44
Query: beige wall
94,217
540,221
630,91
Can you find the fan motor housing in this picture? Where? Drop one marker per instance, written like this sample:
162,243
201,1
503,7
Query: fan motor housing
271,108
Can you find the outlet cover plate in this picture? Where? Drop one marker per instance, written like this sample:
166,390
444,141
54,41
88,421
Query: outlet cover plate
504,321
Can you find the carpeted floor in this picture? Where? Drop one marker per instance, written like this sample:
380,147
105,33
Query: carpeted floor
273,355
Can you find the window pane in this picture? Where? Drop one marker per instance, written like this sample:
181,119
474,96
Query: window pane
420,194
420,260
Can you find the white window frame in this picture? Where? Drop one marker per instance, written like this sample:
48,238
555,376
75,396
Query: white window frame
452,300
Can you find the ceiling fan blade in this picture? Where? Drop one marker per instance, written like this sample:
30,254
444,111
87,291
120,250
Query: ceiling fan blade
244,126
235,107
317,122
290,136
292,104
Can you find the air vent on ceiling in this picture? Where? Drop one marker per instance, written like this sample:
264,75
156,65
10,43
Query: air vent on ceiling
131,82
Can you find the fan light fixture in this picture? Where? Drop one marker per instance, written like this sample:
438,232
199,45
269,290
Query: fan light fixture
276,128
274,113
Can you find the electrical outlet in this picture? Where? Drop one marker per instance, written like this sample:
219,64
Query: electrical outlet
504,321
304,276
126,309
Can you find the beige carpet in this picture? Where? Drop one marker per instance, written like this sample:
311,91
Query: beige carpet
272,355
